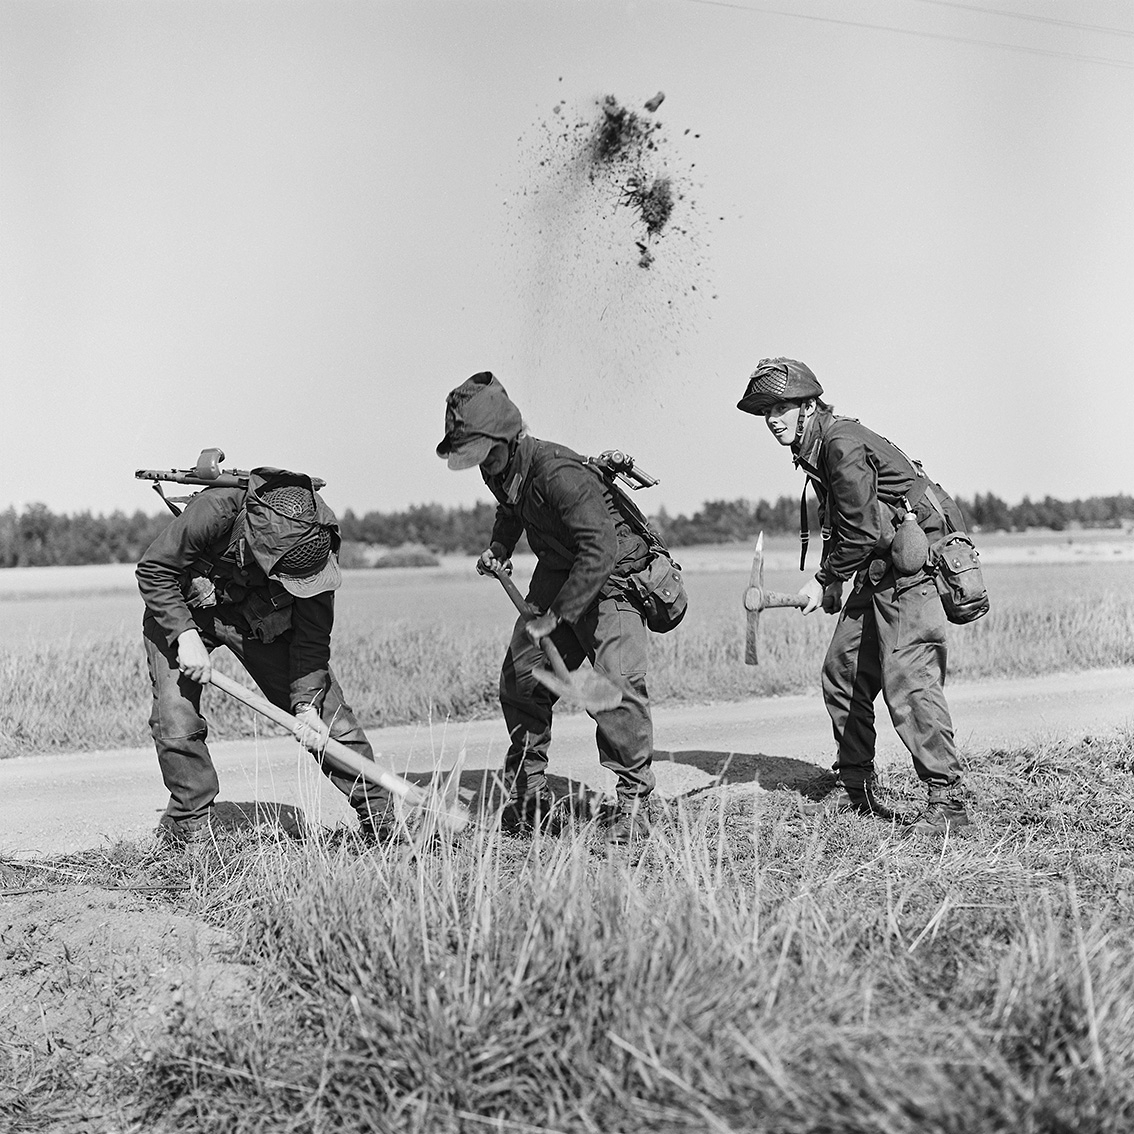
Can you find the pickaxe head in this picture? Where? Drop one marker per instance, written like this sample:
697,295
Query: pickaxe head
756,599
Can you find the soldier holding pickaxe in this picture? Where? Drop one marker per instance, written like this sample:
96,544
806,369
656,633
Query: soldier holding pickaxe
250,563
890,637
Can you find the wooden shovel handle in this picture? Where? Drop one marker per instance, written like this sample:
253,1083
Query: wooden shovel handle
551,651
338,753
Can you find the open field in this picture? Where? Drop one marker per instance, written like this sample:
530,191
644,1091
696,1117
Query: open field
759,967
426,644
763,965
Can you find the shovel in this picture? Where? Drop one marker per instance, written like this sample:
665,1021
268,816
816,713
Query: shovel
448,811
582,686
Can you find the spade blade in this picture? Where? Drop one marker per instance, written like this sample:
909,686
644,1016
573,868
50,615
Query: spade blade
582,687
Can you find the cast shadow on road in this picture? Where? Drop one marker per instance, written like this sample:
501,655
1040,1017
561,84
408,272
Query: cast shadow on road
769,772
283,818
484,791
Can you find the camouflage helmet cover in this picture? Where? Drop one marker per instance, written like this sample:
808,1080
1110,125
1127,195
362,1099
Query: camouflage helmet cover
778,380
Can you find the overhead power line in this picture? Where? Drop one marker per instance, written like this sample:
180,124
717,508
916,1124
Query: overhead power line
1029,16
1073,55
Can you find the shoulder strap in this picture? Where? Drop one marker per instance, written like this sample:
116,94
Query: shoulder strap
938,507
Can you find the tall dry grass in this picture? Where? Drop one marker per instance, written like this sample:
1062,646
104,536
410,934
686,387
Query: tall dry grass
758,967
755,969
87,695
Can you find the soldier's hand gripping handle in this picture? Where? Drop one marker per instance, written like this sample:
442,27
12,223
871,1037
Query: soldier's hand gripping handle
193,657
493,560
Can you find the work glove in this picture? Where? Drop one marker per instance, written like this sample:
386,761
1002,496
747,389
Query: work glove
309,728
202,593
542,625
829,597
492,559
833,597
193,657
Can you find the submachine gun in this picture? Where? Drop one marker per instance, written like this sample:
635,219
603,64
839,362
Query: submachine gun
615,463
206,472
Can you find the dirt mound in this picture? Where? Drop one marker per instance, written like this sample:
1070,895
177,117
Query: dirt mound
90,979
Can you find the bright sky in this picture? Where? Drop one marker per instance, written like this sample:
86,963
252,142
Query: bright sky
289,227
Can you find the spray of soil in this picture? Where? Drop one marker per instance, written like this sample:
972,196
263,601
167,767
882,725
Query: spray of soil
610,257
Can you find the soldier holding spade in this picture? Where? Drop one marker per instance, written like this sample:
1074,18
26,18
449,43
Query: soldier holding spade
576,608
890,637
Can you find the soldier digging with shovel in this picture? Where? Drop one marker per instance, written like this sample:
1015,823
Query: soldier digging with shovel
890,637
584,547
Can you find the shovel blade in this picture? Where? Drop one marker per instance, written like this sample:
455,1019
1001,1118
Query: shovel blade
582,687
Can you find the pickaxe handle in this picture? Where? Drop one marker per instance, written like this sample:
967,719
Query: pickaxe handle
551,651
454,818
757,599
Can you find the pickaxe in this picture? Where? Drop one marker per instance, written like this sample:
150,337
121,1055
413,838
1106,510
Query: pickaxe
757,599
582,686
450,814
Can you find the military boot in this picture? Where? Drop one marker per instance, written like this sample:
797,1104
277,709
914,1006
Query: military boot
944,814
862,791
180,834
536,812
631,824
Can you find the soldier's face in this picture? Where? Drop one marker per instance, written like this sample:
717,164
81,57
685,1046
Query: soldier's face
783,419
496,460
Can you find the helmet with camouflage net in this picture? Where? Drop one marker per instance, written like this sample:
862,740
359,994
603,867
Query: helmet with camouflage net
308,567
778,380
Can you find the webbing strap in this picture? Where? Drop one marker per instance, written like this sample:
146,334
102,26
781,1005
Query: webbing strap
933,498
804,528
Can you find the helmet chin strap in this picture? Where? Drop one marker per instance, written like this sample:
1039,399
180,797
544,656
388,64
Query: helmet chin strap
801,421
804,526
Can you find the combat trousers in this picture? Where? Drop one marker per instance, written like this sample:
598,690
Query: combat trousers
890,638
179,730
612,635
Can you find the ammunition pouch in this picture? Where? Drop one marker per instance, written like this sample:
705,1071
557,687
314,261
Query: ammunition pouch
268,614
956,566
659,593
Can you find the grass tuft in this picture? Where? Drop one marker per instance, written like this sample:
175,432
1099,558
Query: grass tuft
756,968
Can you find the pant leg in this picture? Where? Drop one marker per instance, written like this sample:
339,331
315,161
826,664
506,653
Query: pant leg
269,665
527,706
852,678
614,637
913,652
178,728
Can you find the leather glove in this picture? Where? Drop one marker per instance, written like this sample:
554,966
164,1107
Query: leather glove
193,657
812,590
833,598
492,559
309,728
539,627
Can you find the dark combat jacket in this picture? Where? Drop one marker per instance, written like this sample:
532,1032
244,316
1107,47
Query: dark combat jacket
571,521
859,477
202,543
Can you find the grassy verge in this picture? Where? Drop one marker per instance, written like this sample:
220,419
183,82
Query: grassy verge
757,968
96,695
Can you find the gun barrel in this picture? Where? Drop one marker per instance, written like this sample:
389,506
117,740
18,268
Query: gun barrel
228,479
636,478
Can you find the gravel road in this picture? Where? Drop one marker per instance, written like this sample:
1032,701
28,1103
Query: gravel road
64,803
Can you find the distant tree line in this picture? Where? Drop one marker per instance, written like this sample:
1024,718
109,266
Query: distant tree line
37,537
